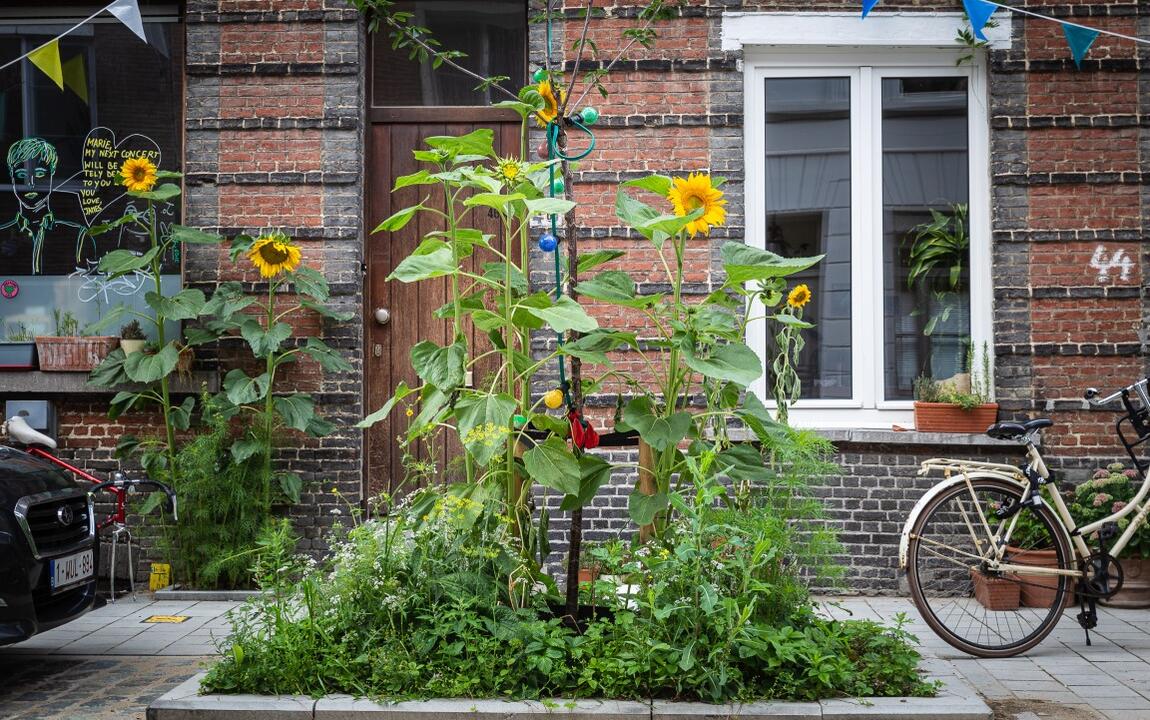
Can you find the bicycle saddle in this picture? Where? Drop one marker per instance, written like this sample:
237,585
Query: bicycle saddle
1013,431
19,430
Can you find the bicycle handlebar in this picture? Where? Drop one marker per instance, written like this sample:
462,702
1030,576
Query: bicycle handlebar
129,484
1138,388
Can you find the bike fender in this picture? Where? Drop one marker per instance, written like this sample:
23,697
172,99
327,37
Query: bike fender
904,540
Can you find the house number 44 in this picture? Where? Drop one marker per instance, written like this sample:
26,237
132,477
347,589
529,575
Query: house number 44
1104,262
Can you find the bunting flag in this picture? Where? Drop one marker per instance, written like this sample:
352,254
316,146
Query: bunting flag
868,5
76,78
1079,39
47,58
979,12
128,12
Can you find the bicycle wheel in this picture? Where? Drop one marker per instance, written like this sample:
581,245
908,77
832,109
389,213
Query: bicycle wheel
980,612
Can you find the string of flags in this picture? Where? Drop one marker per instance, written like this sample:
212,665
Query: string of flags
1079,38
46,56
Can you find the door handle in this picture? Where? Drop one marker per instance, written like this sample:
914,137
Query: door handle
382,316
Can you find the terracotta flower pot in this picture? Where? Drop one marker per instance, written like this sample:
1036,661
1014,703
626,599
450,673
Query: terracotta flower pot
1037,591
73,354
589,574
946,417
995,593
1135,592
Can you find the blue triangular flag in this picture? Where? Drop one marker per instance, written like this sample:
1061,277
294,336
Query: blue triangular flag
868,5
979,12
1079,39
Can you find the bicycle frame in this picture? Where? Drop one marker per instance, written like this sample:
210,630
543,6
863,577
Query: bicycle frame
120,513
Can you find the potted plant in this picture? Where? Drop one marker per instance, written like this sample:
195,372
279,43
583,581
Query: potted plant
995,592
68,350
1109,490
937,263
948,406
18,351
1031,544
132,338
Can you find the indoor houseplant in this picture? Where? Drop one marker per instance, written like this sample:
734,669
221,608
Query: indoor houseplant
132,339
69,351
947,406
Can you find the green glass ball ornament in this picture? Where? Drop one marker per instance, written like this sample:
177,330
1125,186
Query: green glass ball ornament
590,115
558,186
519,421
540,75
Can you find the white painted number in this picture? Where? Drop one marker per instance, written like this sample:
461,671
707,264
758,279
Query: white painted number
1104,262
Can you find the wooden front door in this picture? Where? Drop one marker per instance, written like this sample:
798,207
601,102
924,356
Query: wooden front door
394,134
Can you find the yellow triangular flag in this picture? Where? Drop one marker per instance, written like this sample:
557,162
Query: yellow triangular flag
47,58
76,78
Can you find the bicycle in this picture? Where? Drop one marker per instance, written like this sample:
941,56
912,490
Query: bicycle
37,444
968,547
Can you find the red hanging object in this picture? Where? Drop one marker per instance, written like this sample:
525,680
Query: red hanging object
582,432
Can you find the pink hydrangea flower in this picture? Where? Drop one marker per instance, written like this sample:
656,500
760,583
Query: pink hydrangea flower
1101,473
1117,506
1101,499
1131,473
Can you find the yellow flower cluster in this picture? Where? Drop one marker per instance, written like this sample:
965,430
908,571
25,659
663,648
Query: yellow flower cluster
489,434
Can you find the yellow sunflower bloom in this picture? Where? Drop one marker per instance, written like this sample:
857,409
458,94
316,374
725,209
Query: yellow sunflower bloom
693,192
274,254
799,296
509,169
551,104
138,174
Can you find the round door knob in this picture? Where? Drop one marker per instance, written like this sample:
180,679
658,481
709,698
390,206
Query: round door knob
382,316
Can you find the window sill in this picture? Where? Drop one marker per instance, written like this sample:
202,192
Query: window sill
35,382
874,436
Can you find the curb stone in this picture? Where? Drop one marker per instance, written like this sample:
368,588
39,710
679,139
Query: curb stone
956,701
203,595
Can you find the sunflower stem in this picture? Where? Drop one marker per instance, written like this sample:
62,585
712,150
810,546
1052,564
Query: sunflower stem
269,401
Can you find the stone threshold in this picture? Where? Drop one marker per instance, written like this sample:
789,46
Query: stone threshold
181,595
956,701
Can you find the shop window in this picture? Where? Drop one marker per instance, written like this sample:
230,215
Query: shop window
62,148
492,33
847,157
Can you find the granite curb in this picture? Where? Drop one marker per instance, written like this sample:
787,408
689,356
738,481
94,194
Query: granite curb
957,700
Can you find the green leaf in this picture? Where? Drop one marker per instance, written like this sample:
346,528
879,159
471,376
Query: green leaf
181,415
145,368
398,220
242,389
744,263
187,304
432,259
564,315
484,424
227,300
192,236
788,319
319,427
401,392
417,178
432,409
520,107
758,418
643,508
110,371
591,260
486,320
495,271
264,343
498,201
327,312
632,211
594,472
658,432
664,226
658,184
592,347
731,361
241,244
241,450
122,262
311,282
290,484
477,142
296,410
442,367
107,319
124,401
328,358
549,206
164,192
615,287
552,465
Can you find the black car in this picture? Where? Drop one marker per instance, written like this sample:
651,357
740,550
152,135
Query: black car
48,547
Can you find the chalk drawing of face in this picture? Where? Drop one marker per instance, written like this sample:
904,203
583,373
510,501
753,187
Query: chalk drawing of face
32,170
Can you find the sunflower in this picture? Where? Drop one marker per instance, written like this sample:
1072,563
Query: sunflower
509,169
550,109
273,254
694,192
799,296
138,174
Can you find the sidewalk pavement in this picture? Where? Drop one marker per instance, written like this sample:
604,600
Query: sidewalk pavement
1061,678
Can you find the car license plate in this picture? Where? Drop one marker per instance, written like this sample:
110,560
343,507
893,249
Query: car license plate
71,569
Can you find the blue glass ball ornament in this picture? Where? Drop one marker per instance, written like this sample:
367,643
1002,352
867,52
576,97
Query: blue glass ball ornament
590,115
548,242
540,75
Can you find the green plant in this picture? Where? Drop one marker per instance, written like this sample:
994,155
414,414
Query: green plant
20,333
132,331
1110,490
65,323
929,390
937,262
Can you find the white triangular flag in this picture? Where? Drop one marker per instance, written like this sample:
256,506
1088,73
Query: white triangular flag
128,12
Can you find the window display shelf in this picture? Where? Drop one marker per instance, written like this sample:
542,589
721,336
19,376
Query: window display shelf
35,382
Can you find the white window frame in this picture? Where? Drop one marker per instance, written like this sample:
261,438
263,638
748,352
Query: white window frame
866,67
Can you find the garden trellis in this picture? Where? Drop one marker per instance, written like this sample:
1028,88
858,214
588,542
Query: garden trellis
1079,37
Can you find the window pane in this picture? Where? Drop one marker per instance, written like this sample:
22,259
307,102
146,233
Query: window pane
808,193
492,33
926,271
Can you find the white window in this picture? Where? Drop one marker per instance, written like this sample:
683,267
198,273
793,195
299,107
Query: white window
847,153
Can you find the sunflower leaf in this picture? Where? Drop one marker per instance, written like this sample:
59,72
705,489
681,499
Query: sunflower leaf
744,263
658,184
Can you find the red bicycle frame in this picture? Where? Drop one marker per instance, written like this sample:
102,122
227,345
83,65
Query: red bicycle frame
120,514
